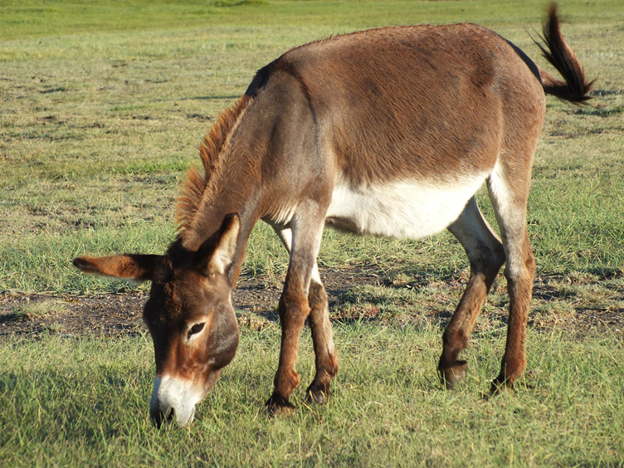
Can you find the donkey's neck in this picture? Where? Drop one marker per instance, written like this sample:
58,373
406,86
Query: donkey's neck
235,195
232,199
230,184
226,184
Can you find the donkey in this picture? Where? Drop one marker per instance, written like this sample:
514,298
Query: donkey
388,132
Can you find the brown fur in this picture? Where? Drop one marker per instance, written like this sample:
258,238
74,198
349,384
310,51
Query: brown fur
422,108
197,185
378,64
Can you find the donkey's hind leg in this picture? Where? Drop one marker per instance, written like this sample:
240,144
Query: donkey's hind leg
486,255
509,194
324,350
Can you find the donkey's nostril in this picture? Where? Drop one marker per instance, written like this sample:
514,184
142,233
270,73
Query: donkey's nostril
160,418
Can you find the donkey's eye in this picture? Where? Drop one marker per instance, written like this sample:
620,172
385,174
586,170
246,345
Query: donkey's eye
195,329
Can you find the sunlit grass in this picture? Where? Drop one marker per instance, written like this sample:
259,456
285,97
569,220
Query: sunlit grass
98,129
103,106
90,408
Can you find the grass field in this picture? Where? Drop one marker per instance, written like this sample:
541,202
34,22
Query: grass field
103,105
386,410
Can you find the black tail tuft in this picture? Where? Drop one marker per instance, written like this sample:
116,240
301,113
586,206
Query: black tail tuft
575,88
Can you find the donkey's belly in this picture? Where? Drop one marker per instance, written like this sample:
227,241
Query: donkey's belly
400,209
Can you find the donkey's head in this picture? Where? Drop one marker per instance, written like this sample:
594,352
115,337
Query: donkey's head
189,315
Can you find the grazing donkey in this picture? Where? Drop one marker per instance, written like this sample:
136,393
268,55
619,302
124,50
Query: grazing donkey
388,132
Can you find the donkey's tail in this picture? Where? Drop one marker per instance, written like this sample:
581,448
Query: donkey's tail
575,88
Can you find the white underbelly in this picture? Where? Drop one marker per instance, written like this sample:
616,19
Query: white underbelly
407,209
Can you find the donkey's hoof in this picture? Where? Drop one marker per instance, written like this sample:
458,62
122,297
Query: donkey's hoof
501,387
317,393
278,406
453,374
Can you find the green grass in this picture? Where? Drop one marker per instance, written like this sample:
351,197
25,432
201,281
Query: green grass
99,123
102,108
36,18
90,408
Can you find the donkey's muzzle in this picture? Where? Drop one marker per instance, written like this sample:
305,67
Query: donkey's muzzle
173,399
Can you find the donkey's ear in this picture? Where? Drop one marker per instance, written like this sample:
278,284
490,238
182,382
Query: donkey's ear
134,267
217,256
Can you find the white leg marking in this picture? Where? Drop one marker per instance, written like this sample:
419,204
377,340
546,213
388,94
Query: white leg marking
511,217
473,231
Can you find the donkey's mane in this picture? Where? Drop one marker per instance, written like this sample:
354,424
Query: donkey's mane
194,187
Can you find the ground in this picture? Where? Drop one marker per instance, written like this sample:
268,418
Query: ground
255,300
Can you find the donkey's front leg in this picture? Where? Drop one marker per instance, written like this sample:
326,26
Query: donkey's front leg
293,311
326,355
324,350
294,307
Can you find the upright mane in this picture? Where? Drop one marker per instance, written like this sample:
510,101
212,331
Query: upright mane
193,189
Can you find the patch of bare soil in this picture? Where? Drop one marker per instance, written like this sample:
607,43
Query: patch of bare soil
256,302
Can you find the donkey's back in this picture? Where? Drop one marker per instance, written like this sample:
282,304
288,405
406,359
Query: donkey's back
402,124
